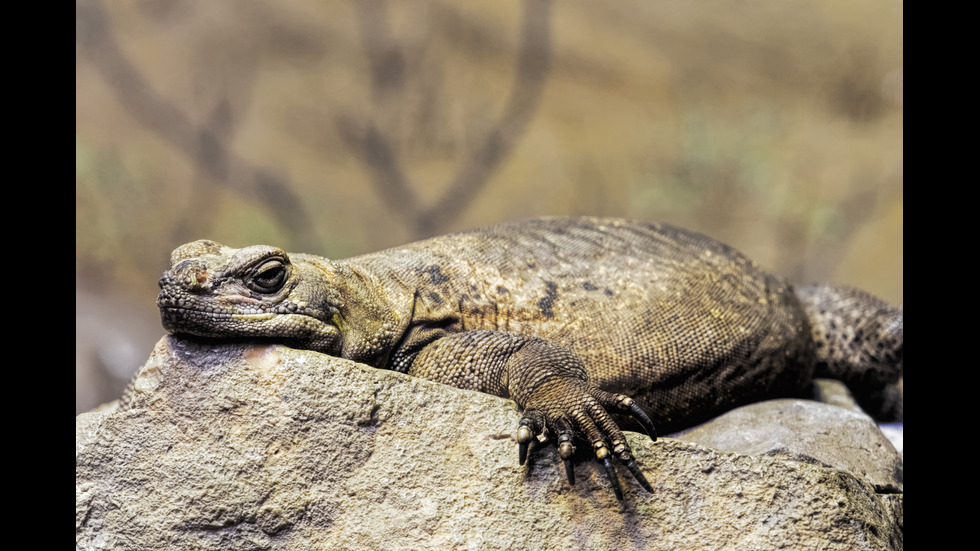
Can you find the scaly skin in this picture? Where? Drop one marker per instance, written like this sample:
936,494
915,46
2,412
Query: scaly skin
576,319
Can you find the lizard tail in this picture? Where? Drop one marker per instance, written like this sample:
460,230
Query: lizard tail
859,340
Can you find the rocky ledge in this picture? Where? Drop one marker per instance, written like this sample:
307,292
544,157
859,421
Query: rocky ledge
235,447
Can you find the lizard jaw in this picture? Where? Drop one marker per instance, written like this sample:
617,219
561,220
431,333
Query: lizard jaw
312,332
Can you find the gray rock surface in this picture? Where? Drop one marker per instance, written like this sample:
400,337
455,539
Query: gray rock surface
810,432
264,447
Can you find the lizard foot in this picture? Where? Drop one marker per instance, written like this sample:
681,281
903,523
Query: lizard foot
566,409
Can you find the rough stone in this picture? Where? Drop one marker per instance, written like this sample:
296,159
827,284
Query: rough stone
264,447
810,432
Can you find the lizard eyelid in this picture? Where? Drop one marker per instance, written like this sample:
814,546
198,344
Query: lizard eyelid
268,277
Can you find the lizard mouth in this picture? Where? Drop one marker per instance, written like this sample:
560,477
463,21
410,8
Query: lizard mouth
299,326
175,317
295,330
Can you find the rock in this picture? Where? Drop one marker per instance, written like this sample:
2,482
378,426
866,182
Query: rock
229,446
836,393
810,432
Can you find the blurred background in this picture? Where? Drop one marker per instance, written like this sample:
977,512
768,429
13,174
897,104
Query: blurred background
343,127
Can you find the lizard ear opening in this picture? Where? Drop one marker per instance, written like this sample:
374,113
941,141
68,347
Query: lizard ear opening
268,276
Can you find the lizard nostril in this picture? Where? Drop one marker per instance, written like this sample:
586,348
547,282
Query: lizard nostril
197,280
192,274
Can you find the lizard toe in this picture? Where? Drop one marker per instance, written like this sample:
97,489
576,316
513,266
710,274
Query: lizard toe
608,440
566,448
624,405
568,410
530,428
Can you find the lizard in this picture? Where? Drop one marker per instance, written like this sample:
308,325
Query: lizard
591,325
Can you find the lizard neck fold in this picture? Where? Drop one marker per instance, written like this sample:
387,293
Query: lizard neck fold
371,318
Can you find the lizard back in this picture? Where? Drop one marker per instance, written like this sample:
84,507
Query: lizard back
683,323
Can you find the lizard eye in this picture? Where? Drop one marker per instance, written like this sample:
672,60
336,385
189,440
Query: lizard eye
268,277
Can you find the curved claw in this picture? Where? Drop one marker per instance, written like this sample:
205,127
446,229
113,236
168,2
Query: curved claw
611,474
641,416
570,472
638,475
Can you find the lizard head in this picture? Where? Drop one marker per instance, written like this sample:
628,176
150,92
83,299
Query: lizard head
216,291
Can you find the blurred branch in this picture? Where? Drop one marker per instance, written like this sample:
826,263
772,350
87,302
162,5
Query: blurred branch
206,145
375,147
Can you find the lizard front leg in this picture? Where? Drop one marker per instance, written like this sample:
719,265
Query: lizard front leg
551,387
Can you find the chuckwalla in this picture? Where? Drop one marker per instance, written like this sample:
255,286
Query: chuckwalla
584,322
